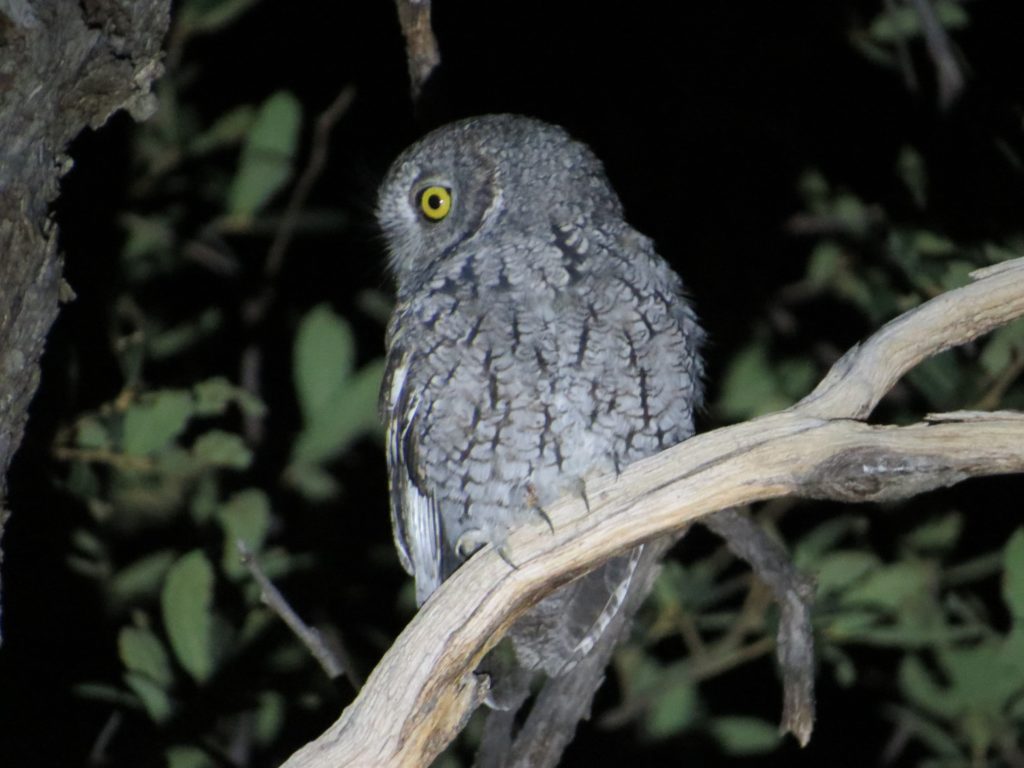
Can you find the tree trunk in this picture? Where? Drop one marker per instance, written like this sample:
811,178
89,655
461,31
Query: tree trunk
63,66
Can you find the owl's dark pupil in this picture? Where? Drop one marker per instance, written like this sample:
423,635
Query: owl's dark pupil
435,202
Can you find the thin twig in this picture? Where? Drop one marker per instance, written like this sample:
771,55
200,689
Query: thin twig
306,634
315,166
104,456
254,310
98,753
994,396
947,70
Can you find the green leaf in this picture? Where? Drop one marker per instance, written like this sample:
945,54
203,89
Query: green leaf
912,172
155,421
853,213
921,689
1013,576
892,587
937,535
83,482
186,602
1002,347
313,481
144,236
940,379
750,387
840,570
825,263
106,693
162,343
217,448
91,434
348,414
267,157
957,273
88,543
154,697
181,756
270,711
980,732
928,243
245,517
324,359
983,678
902,22
142,652
744,735
851,625
814,545
843,668
205,16
937,738
213,397
141,579
229,129
673,709
815,191
796,377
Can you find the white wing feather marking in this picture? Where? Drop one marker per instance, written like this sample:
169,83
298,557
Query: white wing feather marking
424,532
414,518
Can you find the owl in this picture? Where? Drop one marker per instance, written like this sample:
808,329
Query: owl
538,340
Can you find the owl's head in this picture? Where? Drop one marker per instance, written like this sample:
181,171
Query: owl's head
486,180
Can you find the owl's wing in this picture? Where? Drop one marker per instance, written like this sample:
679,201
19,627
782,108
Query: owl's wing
415,520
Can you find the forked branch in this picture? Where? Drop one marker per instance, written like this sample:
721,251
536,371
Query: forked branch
423,690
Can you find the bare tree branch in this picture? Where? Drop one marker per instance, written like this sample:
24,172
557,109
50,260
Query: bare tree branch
333,664
794,594
421,49
423,690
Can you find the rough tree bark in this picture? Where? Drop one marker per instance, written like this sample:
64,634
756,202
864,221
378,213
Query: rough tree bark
424,690
64,66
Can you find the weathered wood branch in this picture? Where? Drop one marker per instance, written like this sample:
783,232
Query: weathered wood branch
423,690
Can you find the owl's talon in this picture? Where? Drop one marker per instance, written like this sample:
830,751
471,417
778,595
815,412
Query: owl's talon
545,517
583,494
502,551
533,501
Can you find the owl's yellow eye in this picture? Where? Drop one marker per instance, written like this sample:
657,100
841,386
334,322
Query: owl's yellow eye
435,202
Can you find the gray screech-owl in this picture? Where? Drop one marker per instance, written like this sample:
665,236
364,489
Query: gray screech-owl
538,340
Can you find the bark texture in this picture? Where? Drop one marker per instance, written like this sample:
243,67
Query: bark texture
64,66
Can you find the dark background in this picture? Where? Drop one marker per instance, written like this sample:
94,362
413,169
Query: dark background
705,115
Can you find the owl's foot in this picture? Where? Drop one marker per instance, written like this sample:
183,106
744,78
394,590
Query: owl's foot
473,540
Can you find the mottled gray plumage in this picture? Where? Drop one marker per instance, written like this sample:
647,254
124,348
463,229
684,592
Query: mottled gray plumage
538,340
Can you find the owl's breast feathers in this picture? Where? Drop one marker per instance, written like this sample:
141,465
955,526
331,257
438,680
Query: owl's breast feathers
517,371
